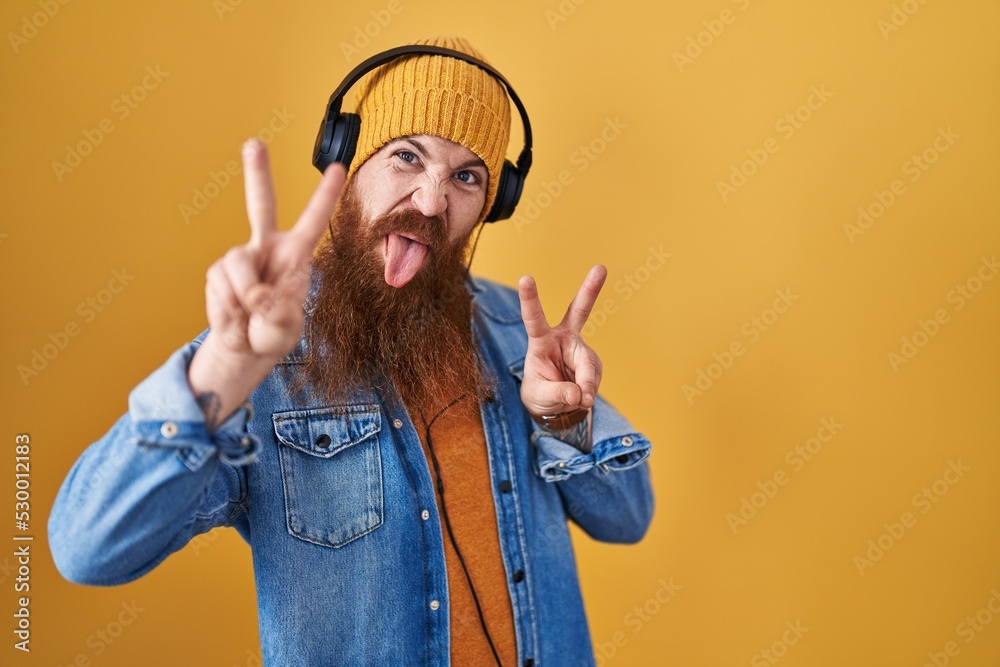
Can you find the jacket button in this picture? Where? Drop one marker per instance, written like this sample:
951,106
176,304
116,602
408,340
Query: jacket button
505,486
398,423
323,440
435,604
519,576
168,429
627,441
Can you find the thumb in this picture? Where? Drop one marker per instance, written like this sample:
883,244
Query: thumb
270,306
546,396
570,393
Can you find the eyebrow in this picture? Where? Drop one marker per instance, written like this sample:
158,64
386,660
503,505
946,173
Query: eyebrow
474,162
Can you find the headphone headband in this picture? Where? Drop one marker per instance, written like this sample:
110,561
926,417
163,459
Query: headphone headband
338,134
336,99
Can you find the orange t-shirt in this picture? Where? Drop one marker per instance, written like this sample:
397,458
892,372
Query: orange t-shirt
460,445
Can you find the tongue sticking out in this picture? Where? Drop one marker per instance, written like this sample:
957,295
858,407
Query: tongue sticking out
403,258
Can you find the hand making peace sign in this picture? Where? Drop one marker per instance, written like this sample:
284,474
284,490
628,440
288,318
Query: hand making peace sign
254,294
561,372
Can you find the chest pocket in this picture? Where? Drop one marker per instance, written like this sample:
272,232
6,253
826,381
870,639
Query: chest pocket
331,470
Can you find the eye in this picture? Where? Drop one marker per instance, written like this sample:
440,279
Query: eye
468,177
406,156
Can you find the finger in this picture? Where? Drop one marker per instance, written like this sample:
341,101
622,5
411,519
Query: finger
315,219
219,295
225,313
276,321
587,375
259,190
531,307
241,272
579,310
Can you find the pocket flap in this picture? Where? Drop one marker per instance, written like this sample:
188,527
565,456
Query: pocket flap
325,431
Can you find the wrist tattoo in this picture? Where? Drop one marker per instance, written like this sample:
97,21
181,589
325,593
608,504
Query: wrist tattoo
578,435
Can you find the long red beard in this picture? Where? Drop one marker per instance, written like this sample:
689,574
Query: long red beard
363,333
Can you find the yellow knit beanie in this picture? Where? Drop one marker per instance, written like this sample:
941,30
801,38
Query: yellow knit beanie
439,96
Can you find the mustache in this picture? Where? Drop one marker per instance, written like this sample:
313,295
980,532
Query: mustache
363,333
411,222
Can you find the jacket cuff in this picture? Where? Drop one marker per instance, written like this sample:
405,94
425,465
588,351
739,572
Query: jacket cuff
164,413
557,460
617,446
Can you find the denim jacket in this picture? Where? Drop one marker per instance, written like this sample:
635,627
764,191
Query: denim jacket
348,551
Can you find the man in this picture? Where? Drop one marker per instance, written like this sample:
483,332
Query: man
403,457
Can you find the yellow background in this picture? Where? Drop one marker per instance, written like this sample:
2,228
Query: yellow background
681,128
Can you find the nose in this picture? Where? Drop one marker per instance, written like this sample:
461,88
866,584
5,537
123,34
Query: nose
430,198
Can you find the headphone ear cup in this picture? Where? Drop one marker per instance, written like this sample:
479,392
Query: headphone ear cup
345,138
337,141
508,193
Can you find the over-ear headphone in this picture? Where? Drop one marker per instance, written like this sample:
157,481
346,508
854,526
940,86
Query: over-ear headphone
338,133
